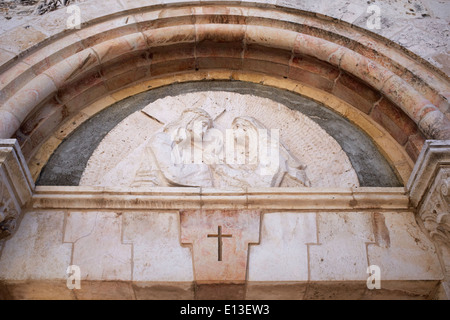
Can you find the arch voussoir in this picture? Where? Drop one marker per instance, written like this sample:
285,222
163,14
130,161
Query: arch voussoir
135,46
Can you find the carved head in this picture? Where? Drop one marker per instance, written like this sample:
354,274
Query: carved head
191,120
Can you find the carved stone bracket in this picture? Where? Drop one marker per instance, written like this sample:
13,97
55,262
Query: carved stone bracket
435,211
16,185
429,190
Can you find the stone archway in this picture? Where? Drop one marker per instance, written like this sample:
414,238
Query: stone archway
51,85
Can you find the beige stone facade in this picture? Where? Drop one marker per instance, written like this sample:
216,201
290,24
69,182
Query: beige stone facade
90,118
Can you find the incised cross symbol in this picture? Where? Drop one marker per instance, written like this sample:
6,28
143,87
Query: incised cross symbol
219,237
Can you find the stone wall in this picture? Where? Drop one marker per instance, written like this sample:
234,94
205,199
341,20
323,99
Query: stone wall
420,25
297,243
313,246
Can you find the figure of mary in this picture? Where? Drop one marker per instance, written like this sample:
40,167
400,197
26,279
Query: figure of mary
255,157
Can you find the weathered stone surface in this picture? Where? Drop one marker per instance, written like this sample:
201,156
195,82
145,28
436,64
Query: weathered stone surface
164,290
356,93
414,145
24,37
97,245
37,251
282,254
403,290
335,290
105,290
220,291
39,290
399,125
275,291
330,248
218,259
16,186
429,192
157,252
332,258
406,253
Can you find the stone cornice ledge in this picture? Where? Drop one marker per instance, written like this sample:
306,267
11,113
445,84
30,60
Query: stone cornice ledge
435,154
323,199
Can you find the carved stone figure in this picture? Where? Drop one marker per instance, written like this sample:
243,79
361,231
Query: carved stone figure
269,164
167,159
190,151
7,214
435,212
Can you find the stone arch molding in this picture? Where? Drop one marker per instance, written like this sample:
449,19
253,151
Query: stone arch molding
133,46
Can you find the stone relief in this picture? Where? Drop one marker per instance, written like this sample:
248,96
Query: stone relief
306,155
7,213
435,215
191,151
435,212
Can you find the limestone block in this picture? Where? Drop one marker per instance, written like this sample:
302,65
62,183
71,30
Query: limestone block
159,109
132,4
306,5
439,8
5,57
107,30
114,48
73,68
91,10
394,120
355,92
105,290
70,125
15,172
24,38
8,125
34,92
54,52
433,154
163,290
362,67
406,253
414,145
275,291
403,290
341,252
219,291
16,185
157,252
38,290
334,290
282,254
97,245
271,37
12,79
37,251
41,157
220,240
